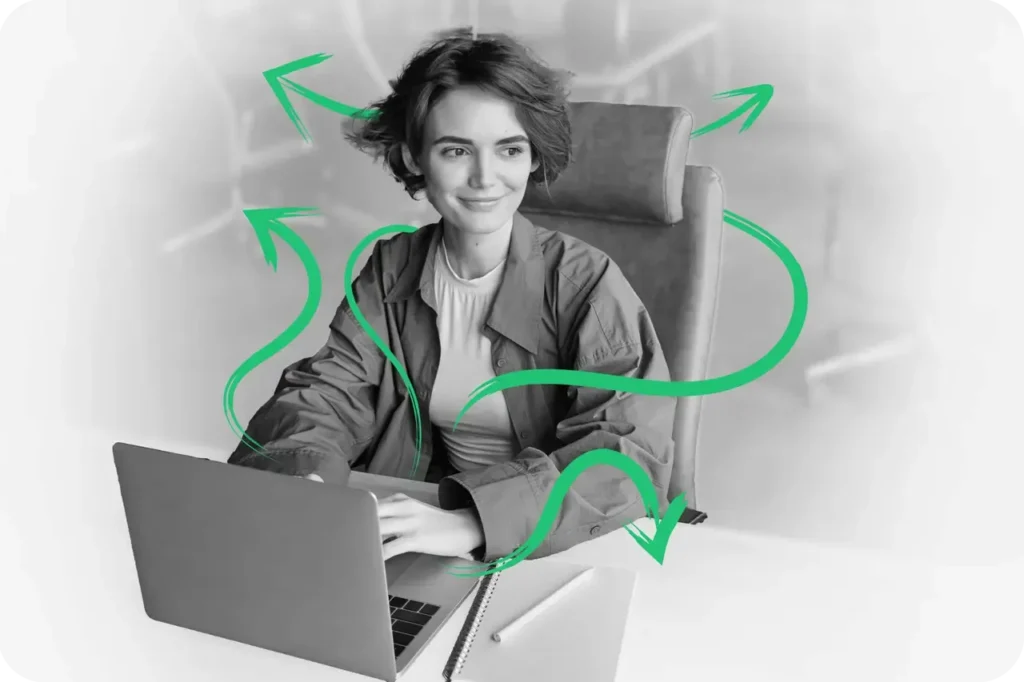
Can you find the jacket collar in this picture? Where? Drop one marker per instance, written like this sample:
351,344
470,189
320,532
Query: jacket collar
516,313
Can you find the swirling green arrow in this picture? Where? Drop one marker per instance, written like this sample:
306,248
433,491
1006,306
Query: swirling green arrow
349,269
665,526
655,546
677,389
760,95
267,222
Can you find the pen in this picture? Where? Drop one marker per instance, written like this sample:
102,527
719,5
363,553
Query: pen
522,620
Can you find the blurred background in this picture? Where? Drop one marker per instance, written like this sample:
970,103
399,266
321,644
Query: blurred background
886,161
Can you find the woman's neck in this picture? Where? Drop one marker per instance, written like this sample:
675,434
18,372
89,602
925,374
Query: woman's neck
474,255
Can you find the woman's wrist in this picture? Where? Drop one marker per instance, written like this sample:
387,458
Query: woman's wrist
473,526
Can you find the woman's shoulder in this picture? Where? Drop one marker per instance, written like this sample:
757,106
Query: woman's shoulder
573,258
399,248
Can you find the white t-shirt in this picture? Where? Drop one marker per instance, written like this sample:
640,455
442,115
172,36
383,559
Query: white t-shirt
484,436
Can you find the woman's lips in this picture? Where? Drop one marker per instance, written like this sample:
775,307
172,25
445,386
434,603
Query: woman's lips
477,205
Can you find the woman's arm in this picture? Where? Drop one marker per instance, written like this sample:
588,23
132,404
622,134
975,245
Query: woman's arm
614,335
322,415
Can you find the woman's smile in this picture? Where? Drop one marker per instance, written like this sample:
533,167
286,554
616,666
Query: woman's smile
482,205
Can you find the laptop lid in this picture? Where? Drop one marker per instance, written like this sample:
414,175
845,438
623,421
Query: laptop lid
259,558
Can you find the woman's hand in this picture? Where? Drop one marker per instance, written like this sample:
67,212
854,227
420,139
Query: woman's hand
415,526
419,527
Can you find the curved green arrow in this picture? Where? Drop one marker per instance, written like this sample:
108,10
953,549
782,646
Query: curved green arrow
267,222
665,526
677,389
655,546
760,95
349,269
276,78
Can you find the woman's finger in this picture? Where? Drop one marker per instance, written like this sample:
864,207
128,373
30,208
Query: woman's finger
400,545
395,525
394,505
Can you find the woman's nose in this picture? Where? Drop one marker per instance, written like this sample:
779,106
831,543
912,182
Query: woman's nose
483,171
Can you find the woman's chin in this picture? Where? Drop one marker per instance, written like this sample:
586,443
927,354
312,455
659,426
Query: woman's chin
478,223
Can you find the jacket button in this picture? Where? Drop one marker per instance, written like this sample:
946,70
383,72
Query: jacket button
595,530
501,362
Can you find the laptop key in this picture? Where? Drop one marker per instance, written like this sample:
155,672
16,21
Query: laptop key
401,639
429,609
406,628
411,617
399,650
397,602
413,605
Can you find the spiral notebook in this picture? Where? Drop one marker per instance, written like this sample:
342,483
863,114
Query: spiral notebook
554,646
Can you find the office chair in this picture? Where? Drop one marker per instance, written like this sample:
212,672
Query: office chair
630,193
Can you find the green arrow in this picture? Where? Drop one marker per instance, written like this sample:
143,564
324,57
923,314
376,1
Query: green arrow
678,389
368,328
760,95
267,222
655,546
278,83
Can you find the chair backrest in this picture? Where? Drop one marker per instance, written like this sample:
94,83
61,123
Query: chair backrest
630,194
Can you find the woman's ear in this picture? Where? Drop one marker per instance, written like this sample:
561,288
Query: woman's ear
534,159
410,162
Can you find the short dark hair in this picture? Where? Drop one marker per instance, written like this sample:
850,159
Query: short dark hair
494,62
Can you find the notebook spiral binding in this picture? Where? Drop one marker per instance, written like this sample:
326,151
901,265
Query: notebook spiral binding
468,633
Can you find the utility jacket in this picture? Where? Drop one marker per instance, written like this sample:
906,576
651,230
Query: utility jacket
561,304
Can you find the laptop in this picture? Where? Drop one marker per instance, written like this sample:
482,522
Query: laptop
283,563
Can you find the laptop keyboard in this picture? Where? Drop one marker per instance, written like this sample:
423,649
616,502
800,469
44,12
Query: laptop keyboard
407,619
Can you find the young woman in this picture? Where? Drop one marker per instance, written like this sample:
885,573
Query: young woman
483,292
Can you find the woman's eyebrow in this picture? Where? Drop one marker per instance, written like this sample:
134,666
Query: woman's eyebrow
462,140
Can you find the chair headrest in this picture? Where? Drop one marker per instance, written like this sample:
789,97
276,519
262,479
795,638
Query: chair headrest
629,163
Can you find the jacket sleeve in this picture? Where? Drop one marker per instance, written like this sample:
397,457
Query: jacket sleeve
322,414
614,336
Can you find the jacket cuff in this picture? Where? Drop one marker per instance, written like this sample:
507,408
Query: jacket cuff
504,500
298,462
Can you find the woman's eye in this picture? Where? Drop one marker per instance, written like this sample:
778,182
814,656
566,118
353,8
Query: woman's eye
459,151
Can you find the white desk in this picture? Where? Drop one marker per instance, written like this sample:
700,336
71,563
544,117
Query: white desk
724,606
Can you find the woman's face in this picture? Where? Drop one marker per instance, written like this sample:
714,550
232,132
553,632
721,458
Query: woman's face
475,160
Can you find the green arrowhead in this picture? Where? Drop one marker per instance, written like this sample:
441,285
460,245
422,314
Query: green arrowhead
664,527
655,546
278,84
760,95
